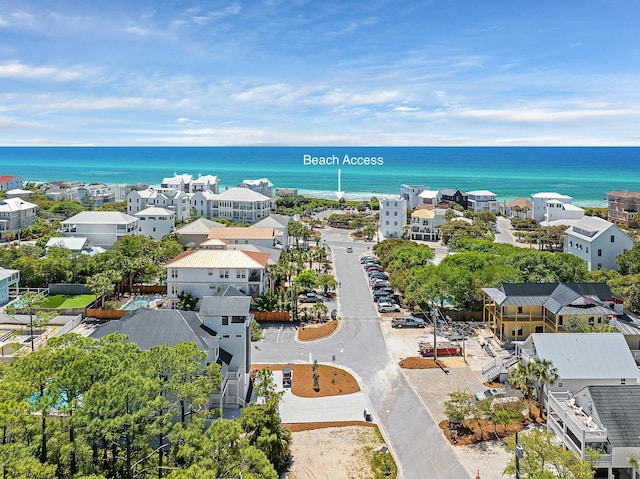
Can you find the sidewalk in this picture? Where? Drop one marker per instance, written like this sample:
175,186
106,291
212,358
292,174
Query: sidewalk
295,409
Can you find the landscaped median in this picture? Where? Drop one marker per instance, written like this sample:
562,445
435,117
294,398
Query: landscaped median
311,332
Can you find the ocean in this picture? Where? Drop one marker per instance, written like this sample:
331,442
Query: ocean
585,173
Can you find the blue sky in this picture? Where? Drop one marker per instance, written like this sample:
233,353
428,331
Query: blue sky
319,72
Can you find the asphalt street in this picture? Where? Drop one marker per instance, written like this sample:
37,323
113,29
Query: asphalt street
418,445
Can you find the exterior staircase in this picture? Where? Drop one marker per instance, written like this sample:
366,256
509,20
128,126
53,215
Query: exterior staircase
499,365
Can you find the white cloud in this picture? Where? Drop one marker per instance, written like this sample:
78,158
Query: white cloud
19,70
11,124
541,115
133,103
405,108
345,98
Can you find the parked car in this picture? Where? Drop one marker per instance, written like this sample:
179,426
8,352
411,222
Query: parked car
489,393
369,259
388,308
379,293
378,275
349,249
379,283
408,322
310,298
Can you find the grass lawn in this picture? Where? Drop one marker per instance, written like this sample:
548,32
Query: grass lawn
61,301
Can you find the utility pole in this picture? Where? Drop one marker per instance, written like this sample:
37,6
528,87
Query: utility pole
435,327
519,454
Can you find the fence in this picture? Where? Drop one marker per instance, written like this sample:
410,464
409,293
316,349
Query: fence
149,289
275,316
70,289
69,326
105,313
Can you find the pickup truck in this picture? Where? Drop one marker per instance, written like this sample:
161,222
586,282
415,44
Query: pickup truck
310,298
407,322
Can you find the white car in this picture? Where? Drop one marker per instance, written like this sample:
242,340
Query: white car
388,308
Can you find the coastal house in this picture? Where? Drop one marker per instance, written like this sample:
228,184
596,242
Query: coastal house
241,204
177,182
539,203
518,208
196,232
450,195
410,194
15,213
9,282
262,186
74,244
513,311
393,217
204,272
171,199
624,207
482,200
19,193
10,182
280,225
222,344
426,223
429,199
155,222
101,228
205,183
239,235
203,202
604,418
597,241
561,213
95,194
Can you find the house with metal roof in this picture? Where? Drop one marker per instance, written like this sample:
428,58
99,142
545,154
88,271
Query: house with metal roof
598,242
539,202
14,214
605,418
196,232
205,272
9,278
513,311
155,222
280,224
425,224
261,185
483,200
237,235
102,228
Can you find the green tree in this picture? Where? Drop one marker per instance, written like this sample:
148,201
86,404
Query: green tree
307,279
100,285
32,303
459,405
186,301
327,283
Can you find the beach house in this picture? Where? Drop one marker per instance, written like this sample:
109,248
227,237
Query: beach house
15,213
101,228
280,225
239,235
10,182
513,311
262,186
241,204
9,282
205,183
95,194
410,194
539,203
450,195
194,233
155,222
598,242
482,200
393,217
204,272
561,213
426,223
171,199
624,207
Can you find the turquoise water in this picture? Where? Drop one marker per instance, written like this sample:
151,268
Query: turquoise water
585,173
139,302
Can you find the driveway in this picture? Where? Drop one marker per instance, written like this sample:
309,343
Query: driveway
419,447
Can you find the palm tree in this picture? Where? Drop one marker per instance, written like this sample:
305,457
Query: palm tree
544,373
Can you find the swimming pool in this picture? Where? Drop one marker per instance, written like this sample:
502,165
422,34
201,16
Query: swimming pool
141,302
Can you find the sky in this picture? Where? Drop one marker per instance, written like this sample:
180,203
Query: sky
330,72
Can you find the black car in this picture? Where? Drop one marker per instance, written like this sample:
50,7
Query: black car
378,275
369,259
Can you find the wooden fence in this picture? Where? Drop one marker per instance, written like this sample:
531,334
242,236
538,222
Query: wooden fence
275,316
149,289
105,313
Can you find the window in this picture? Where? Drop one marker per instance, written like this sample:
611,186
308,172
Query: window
591,320
560,320
623,381
560,383
174,273
613,238
519,309
599,252
174,289
225,320
224,273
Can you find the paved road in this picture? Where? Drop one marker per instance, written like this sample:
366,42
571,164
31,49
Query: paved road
417,443
503,233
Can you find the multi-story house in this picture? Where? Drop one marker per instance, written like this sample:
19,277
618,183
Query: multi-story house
171,199
196,232
101,228
624,207
280,224
513,311
482,200
138,200
425,224
449,195
177,182
597,241
9,278
205,183
604,418
14,214
155,222
393,217
429,198
203,202
410,194
262,186
97,194
539,204
561,213
207,271
258,236
10,182
241,204
228,314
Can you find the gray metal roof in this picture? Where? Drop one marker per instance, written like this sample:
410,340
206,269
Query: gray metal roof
585,355
154,327
229,302
618,408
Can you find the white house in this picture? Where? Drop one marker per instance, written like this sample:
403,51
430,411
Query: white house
102,228
138,200
97,194
262,186
241,204
205,272
171,199
205,183
597,241
482,200
559,213
240,235
177,182
10,182
393,217
430,198
155,222
14,214
605,418
203,202
280,224
410,194
9,278
425,224
539,203
228,314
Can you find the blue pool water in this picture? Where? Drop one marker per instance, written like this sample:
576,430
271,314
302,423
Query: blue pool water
140,302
